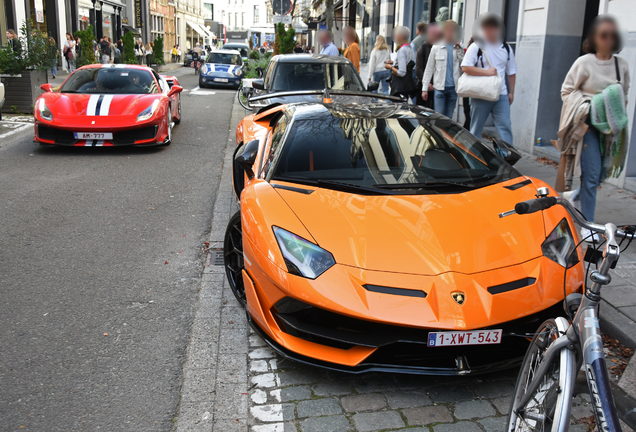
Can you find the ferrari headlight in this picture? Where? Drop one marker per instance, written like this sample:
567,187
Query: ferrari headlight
559,245
302,257
148,112
44,111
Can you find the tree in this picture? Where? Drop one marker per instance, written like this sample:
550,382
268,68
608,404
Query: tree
329,14
157,51
284,43
129,49
87,52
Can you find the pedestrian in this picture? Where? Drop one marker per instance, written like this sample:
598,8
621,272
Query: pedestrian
377,71
105,50
502,58
466,100
352,52
597,79
55,55
174,53
325,37
14,42
444,66
298,49
433,35
179,52
420,38
139,53
402,82
148,54
78,47
69,52
113,50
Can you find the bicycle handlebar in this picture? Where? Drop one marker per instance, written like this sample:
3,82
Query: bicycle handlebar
544,203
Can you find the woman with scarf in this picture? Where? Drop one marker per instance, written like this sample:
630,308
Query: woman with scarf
593,121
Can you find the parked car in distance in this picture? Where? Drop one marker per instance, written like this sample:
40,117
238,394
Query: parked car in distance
223,68
243,48
288,75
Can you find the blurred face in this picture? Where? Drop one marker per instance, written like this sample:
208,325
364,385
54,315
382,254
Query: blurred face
449,32
491,33
605,37
432,34
324,39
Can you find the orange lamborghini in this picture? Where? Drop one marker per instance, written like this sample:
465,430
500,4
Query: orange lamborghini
369,238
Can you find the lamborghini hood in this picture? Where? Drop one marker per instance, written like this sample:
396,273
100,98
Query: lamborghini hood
72,104
422,234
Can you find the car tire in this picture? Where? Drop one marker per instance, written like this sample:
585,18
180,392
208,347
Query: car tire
233,258
168,139
178,120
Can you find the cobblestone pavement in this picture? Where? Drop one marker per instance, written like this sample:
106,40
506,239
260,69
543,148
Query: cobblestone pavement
234,382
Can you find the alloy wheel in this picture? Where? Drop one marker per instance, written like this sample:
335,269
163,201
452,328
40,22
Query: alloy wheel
233,257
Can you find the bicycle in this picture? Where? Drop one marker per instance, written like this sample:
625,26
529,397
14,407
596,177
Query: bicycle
244,93
544,391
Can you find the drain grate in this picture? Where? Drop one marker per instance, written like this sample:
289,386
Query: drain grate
218,256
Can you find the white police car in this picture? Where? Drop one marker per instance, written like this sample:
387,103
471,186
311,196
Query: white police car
223,68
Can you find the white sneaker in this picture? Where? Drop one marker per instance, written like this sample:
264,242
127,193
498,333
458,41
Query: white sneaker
590,236
571,195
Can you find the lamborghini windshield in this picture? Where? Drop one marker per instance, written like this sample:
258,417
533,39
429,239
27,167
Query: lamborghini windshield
390,154
316,76
110,80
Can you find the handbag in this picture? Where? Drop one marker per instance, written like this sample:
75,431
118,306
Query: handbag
480,87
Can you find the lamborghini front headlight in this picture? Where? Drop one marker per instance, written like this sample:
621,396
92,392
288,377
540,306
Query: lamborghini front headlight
302,257
560,245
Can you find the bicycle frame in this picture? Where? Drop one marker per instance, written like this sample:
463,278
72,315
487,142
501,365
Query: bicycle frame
583,339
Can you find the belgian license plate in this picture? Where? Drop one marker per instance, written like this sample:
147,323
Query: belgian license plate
472,337
220,79
93,135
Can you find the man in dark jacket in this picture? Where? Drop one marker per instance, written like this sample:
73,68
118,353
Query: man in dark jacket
433,35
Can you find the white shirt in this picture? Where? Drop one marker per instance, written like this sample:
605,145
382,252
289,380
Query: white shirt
330,50
501,58
376,61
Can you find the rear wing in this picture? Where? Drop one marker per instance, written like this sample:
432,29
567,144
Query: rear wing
326,93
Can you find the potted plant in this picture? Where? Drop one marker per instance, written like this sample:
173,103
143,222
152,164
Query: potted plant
23,73
157,53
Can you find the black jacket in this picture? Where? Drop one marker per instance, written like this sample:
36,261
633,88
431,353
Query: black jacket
420,62
15,45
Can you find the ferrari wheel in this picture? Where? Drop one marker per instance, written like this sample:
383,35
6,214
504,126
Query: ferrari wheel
168,139
178,120
233,257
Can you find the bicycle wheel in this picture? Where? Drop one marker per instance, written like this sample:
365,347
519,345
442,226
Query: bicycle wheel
242,98
548,410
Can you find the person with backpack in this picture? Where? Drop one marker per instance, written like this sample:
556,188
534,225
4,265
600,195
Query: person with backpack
443,66
69,52
490,56
104,47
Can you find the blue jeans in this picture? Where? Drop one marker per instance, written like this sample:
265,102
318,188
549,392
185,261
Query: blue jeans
54,70
445,101
500,110
380,77
591,172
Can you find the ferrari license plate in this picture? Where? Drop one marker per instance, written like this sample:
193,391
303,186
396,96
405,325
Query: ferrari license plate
220,79
472,337
93,135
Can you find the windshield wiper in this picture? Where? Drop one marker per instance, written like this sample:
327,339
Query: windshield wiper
424,185
335,185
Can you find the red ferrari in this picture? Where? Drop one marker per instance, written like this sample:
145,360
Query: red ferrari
109,105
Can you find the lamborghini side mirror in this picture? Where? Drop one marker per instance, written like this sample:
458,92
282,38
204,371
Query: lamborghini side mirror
373,86
506,151
246,156
258,84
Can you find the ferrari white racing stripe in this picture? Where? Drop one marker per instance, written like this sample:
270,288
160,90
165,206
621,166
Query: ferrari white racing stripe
99,143
92,105
103,111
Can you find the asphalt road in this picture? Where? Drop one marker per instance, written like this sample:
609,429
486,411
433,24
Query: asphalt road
100,256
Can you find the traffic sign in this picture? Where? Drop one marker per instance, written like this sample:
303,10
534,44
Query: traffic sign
281,7
285,19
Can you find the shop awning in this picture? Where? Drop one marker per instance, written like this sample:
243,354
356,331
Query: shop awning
197,28
131,29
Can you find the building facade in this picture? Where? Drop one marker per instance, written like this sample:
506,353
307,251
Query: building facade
243,19
162,23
